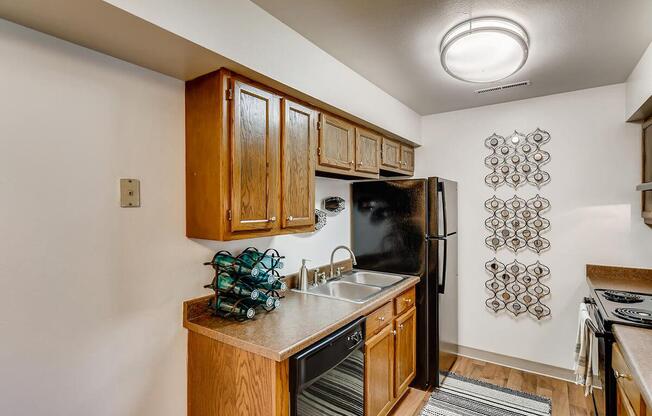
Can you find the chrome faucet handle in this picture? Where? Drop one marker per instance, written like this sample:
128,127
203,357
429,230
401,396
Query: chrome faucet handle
338,271
318,278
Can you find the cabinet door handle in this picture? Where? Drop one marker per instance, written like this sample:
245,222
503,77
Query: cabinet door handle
620,375
407,300
394,332
381,318
351,163
359,163
272,219
290,218
400,326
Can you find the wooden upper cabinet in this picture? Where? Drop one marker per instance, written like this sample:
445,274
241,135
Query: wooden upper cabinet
298,149
407,159
390,154
367,151
336,144
405,327
255,135
251,157
379,373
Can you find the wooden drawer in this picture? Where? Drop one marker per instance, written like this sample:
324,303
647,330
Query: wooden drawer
404,301
379,318
627,387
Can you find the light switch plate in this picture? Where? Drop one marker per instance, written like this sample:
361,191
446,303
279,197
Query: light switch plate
129,193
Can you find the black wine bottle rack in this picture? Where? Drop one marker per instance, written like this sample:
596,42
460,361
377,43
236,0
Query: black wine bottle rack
226,264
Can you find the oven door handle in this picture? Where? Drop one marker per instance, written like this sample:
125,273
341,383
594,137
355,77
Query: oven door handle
590,323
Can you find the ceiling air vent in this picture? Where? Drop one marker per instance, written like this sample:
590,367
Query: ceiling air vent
503,87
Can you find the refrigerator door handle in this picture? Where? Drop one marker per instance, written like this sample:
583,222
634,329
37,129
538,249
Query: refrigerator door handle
441,189
442,285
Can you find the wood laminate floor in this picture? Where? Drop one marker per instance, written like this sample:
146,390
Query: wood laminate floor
567,398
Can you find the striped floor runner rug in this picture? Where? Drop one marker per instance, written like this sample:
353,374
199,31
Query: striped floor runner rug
461,396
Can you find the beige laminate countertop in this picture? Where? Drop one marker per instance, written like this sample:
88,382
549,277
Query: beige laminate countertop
636,346
619,278
301,320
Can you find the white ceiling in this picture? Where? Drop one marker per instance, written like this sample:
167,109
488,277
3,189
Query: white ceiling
574,44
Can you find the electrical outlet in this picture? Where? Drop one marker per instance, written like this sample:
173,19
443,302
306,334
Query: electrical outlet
129,193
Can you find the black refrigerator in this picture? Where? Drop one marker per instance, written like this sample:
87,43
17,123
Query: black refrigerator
410,227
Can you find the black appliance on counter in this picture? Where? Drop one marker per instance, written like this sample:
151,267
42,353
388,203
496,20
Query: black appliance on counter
410,227
606,308
327,378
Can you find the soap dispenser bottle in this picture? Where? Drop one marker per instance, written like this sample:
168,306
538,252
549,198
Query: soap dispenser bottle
303,275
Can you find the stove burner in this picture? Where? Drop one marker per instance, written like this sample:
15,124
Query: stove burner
641,316
622,297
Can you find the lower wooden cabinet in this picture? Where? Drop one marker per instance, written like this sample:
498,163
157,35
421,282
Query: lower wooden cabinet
379,372
630,401
405,351
390,356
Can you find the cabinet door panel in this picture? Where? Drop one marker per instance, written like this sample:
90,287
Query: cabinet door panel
405,351
391,154
367,151
298,142
254,158
407,158
336,139
379,373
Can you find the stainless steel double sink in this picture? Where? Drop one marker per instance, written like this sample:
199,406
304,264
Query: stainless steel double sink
356,286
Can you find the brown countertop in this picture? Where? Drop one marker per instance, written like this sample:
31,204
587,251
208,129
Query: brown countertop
301,320
619,278
636,346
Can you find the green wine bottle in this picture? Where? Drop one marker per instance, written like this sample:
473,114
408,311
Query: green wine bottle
228,284
277,285
268,301
230,263
252,257
240,309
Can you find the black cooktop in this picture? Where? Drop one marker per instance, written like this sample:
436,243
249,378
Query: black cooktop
626,308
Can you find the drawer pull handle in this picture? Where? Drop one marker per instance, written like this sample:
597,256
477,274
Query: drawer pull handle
408,300
381,318
620,375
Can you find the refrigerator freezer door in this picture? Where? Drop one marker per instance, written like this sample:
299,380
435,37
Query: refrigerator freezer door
448,305
442,201
389,225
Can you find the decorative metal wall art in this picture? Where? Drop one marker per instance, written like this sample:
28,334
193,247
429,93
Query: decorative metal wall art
517,159
517,288
320,219
334,204
517,224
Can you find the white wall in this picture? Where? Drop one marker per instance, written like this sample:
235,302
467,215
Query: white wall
595,214
639,83
90,295
247,34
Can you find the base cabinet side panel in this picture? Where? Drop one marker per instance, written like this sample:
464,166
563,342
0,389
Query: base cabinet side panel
226,381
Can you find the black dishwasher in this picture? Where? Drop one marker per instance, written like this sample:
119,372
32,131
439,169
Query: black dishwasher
327,378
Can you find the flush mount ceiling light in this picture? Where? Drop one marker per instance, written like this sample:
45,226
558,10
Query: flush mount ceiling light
484,49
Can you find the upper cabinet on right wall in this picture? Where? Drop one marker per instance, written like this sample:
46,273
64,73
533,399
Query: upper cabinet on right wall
349,151
396,158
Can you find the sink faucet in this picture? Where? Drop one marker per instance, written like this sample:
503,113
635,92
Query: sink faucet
333,255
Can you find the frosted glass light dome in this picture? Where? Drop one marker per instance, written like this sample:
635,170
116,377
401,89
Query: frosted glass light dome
484,49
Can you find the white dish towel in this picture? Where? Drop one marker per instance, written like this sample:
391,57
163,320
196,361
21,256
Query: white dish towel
584,352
